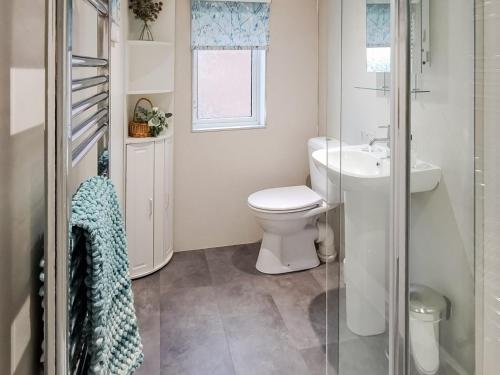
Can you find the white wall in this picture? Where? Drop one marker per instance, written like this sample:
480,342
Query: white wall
216,171
117,164
330,66
22,110
442,221
488,199
362,110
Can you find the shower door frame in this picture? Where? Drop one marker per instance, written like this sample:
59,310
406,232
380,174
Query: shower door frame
400,115
400,184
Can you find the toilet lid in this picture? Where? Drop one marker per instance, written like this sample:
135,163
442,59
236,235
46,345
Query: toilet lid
290,198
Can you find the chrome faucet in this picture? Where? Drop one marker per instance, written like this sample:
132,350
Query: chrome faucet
387,139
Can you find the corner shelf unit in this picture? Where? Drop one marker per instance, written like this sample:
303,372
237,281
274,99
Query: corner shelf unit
149,92
149,161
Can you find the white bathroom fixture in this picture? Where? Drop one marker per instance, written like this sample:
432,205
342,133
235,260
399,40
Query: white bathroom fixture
148,202
149,173
427,309
363,172
289,217
367,169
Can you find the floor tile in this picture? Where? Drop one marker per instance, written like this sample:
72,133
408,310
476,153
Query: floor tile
363,355
193,340
147,295
147,307
260,344
233,263
188,307
187,269
302,304
212,312
321,360
327,275
445,368
196,351
242,298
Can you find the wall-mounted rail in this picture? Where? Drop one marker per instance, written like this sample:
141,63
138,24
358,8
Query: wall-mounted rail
84,148
87,62
86,83
82,133
85,104
100,5
96,119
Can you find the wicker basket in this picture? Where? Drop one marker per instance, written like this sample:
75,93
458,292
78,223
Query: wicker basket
139,129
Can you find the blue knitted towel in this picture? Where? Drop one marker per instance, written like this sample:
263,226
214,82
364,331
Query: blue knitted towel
115,346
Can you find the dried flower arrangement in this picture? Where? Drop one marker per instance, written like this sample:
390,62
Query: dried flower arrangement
146,11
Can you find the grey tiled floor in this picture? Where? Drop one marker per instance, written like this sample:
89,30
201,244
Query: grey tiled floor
211,312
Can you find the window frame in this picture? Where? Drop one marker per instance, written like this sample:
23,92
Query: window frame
256,121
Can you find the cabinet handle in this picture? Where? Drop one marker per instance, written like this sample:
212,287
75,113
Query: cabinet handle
150,207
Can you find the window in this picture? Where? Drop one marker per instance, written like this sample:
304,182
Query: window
228,89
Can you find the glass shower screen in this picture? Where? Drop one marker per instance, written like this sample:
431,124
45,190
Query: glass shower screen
355,109
415,288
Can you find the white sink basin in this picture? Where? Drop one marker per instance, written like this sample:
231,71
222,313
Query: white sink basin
368,169
363,174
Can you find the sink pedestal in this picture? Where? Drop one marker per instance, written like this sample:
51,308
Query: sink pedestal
366,242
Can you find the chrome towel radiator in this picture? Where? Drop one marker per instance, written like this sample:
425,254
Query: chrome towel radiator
77,145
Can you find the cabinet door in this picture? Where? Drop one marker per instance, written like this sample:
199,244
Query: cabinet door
140,207
163,201
169,192
160,201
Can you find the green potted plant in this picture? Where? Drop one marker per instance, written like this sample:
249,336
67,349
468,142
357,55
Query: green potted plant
154,117
146,11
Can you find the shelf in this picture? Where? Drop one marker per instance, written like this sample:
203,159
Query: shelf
131,140
149,43
163,28
149,92
384,89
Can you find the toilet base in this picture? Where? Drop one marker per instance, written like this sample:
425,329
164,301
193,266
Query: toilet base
288,253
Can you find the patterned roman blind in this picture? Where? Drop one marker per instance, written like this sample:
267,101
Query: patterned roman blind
378,25
230,24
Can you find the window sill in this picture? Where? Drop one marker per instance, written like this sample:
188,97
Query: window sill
198,128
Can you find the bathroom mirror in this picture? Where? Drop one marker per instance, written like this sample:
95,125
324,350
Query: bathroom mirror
378,36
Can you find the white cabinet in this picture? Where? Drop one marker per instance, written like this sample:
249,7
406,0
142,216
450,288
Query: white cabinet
149,211
149,67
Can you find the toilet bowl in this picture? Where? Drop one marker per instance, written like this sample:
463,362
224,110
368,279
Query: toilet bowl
289,218
427,309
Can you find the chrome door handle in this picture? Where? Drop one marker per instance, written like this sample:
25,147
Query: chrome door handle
150,207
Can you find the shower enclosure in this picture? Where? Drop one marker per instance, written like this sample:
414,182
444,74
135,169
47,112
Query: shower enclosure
410,88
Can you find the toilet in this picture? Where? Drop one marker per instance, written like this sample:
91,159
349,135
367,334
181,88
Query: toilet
289,217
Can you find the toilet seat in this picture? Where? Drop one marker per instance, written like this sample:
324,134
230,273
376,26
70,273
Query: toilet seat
285,199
